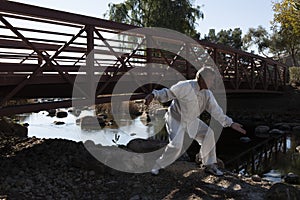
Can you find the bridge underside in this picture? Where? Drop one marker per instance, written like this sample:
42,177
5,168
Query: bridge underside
65,90
46,53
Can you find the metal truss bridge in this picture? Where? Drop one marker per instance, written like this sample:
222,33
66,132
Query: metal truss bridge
43,52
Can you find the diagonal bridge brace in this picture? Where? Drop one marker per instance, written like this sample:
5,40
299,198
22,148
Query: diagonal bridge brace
123,62
171,63
40,55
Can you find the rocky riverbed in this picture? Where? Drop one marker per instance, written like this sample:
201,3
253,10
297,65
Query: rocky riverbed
33,168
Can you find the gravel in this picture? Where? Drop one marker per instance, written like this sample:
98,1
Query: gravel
34,168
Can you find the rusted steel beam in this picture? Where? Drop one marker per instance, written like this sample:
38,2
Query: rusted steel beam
40,20
90,62
31,55
40,31
241,70
48,61
58,69
127,69
59,88
112,51
32,39
12,67
240,52
37,70
13,80
14,44
122,60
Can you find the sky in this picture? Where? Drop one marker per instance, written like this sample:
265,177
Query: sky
218,14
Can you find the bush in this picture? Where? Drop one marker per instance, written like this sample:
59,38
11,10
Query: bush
294,75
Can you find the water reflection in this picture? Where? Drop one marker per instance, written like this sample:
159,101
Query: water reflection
41,125
289,161
273,176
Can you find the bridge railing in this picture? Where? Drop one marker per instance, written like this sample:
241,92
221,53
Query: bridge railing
43,52
244,71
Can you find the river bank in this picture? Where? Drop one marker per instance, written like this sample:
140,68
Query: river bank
33,168
55,169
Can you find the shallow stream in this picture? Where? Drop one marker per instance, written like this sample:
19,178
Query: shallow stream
42,125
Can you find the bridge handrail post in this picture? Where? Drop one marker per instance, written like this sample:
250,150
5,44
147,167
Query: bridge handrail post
275,76
265,75
237,74
252,74
284,75
90,57
149,59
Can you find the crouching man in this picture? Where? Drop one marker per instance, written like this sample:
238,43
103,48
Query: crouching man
189,99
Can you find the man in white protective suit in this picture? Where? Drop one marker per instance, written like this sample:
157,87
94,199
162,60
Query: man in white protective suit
189,99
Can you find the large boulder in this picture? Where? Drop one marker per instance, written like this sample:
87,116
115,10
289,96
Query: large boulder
283,127
92,122
61,114
13,129
76,112
245,139
59,123
292,178
275,132
281,191
262,131
256,178
5,126
51,112
296,130
298,148
20,130
145,145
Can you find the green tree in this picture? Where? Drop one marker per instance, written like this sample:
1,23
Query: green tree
286,24
258,37
212,36
179,15
223,37
232,38
236,38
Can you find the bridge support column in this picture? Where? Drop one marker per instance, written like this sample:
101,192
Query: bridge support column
90,60
149,60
